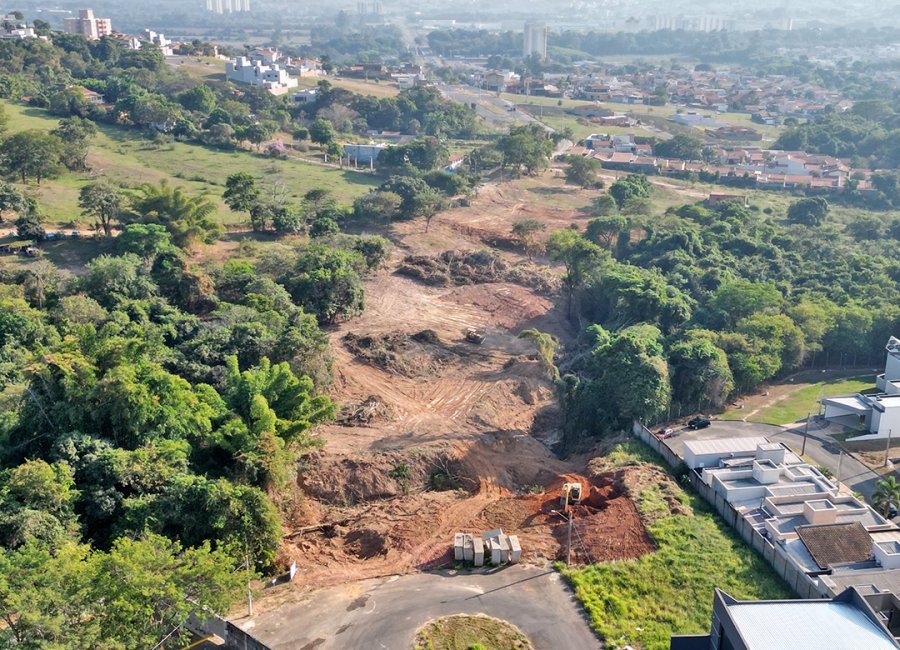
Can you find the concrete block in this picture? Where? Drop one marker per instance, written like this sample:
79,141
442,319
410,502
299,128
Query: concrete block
478,551
496,552
492,534
515,549
504,548
458,546
468,549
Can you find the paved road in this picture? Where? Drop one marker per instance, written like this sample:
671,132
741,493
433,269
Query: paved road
385,613
492,108
819,448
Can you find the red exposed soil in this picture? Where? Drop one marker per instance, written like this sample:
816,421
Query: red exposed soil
476,422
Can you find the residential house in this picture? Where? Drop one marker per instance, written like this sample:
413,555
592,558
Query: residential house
850,620
273,78
364,154
879,412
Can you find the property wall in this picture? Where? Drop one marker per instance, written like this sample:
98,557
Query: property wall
657,445
800,583
233,636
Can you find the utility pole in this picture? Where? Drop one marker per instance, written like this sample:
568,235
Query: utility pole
569,543
249,592
840,462
805,433
887,449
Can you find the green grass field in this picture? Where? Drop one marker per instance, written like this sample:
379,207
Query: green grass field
125,156
643,602
804,401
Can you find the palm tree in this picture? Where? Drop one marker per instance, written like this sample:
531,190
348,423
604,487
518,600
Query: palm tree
187,218
888,493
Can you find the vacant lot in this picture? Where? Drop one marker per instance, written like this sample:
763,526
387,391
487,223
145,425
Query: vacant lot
642,602
792,401
125,155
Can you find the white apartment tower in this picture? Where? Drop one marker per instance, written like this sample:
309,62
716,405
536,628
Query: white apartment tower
88,26
227,6
535,41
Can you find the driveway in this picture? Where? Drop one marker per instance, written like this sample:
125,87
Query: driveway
820,449
385,613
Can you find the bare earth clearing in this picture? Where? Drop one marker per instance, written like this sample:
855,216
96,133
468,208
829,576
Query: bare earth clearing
439,434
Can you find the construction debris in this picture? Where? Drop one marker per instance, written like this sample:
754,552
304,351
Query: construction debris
457,268
365,413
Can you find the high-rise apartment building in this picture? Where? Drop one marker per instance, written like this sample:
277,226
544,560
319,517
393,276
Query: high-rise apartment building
535,41
227,6
88,26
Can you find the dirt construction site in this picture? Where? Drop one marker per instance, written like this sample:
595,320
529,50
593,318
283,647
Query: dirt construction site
437,434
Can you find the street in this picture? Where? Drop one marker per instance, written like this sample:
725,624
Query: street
386,612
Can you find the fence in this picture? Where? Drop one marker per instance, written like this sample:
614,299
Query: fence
797,579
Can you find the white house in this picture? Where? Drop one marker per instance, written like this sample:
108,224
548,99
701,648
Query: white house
272,77
305,96
364,154
878,412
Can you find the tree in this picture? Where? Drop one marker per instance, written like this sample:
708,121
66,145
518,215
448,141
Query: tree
582,171
546,345
200,99
103,201
681,146
810,211
74,134
578,255
887,495
4,120
632,186
322,132
604,231
41,278
189,219
37,501
526,231
526,147
603,206
11,199
150,586
144,240
377,205
256,133
417,199
326,282
28,225
241,192
633,374
739,298
31,154
700,372
110,280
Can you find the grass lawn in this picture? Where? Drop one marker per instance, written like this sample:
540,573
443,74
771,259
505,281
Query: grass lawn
804,400
470,633
124,155
643,602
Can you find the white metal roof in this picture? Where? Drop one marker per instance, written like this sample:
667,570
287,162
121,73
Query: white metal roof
725,445
807,626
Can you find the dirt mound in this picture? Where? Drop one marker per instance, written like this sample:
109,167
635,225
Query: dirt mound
411,355
459,268
348,480
607,525
365,413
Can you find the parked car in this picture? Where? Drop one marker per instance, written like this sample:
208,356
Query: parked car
699,423
666,433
